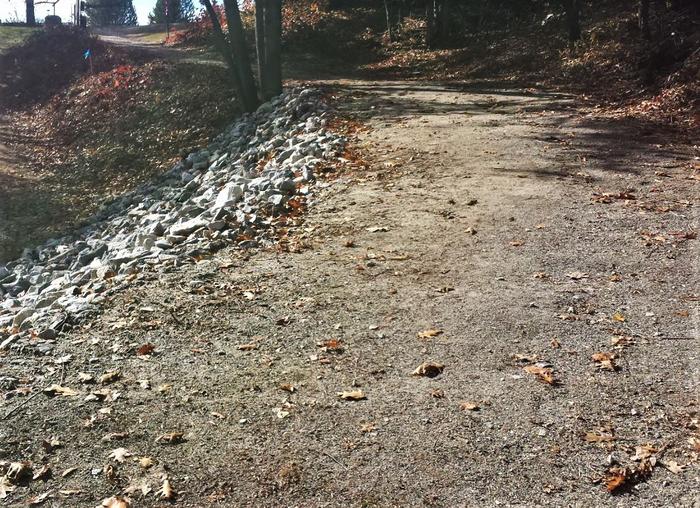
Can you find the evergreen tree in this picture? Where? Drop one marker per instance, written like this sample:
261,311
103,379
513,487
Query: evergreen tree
111,12
178,11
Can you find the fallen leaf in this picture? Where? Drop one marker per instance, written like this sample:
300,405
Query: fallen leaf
469,406
437,393
541,275
618,317
621,341
68,471
368,427
115,502
673,466
427,334
287,387
19,471
43,474
70,492
120,454
39,499
85,378
171,438
594,436
332,345
555,343
378,229
352,395
247,347
642,452
51,444
5,487
146,349
428,369
615,478
606,361
516,243
543,374
577,275
63,391
166,490
146,462
110,377
615,278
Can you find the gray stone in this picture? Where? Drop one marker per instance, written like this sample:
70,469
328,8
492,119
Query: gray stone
228,196
47,334
187,227
5,344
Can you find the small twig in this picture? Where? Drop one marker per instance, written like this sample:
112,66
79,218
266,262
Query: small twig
19,406
172,313
333,459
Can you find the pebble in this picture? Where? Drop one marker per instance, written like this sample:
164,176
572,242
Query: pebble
221,194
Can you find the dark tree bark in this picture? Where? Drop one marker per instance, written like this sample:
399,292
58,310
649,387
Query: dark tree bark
444,21
389,24
430,23
240,55
273,48
268,35
643,17
31,19
261,7
248,101
573,21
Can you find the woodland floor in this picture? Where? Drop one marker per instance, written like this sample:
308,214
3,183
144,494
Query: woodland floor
505,220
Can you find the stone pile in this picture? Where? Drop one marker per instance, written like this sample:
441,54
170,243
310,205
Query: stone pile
204,202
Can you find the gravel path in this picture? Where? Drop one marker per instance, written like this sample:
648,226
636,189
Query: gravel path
501,235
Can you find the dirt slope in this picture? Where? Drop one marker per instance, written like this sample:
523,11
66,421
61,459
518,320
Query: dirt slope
481,215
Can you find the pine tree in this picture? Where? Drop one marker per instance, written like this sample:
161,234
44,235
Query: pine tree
111,12
178,11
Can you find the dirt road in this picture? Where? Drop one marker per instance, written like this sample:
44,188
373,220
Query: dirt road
512,226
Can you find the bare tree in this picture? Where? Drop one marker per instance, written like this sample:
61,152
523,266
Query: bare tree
31,18
233,48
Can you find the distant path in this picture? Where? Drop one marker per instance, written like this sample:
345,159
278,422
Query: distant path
151,42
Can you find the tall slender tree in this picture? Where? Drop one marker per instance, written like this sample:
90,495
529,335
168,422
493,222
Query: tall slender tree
31,18
172,11
234,49
111,12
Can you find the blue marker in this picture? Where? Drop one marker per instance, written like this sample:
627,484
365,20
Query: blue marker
86,55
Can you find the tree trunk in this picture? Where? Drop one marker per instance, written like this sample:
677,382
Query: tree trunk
573,21
444,21
248,104
31,19
261,8
430,22
644,18
389,24
273,48
249,96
